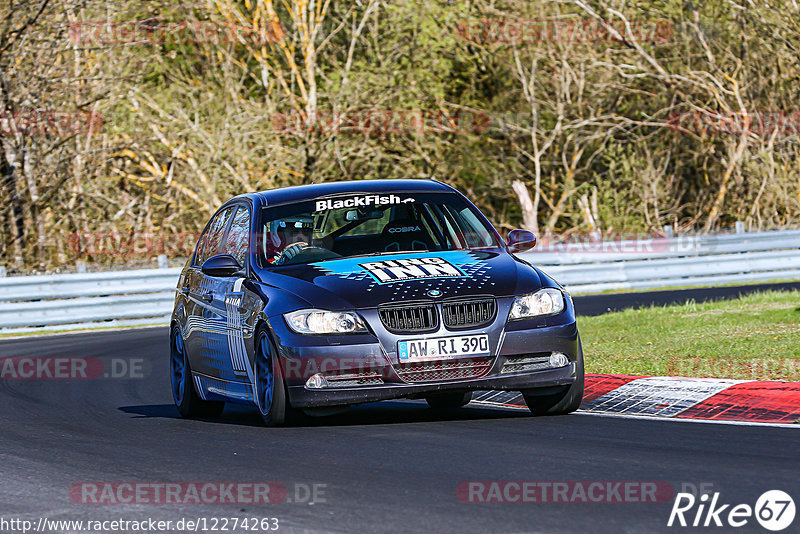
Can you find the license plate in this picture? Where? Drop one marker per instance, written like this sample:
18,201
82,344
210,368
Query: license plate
443,347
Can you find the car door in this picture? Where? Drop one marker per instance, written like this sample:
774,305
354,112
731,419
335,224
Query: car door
207,342
187,286
238,312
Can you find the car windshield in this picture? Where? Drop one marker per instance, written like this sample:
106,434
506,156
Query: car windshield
370,224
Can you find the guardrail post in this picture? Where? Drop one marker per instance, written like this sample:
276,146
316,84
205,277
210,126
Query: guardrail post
669,231
80,266
739,227
162,261
3,272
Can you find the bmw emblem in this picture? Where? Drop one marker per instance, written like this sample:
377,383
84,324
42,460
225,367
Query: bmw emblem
434,293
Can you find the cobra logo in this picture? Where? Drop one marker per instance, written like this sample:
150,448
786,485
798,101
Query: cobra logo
404,229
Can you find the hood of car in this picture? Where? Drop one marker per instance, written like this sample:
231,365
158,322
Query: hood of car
368,281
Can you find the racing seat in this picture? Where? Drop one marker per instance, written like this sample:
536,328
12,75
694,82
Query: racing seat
405,234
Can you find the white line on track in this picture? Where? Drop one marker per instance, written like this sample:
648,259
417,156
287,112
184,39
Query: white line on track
654,418
34,334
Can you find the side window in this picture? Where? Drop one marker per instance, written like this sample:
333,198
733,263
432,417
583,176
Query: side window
238,240
472,229
215,234
198,254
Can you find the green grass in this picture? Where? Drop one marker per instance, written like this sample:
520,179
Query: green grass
702,286
756,337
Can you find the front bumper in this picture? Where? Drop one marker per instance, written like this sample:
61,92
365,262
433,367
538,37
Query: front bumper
374,355
302,397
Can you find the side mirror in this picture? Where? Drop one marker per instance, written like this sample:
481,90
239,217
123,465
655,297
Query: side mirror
520,240
221,265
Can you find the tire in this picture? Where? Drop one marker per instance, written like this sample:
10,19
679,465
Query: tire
186,399
270,390
449,399
563,402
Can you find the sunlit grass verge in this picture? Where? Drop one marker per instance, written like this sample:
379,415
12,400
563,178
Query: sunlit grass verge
756,337
691,286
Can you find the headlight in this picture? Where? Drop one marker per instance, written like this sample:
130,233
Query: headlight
324,322
547,301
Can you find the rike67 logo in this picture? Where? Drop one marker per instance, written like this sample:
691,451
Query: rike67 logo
774,510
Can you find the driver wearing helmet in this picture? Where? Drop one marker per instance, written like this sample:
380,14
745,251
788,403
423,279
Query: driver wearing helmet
290,237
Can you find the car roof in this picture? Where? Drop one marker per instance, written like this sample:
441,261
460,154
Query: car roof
300,193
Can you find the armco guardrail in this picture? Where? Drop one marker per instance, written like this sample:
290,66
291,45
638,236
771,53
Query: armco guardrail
70,300
145,296
678,261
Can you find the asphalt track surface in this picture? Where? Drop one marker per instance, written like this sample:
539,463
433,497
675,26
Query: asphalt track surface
384,467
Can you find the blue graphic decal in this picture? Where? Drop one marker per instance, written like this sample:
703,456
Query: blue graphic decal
472,264
402,267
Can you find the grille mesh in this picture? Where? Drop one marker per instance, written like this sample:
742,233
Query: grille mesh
469,313
523,363
410,317
437,370
364,378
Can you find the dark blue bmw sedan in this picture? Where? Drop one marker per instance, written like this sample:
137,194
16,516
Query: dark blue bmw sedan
318,297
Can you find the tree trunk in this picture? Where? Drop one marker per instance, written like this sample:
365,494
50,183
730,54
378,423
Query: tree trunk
529,218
